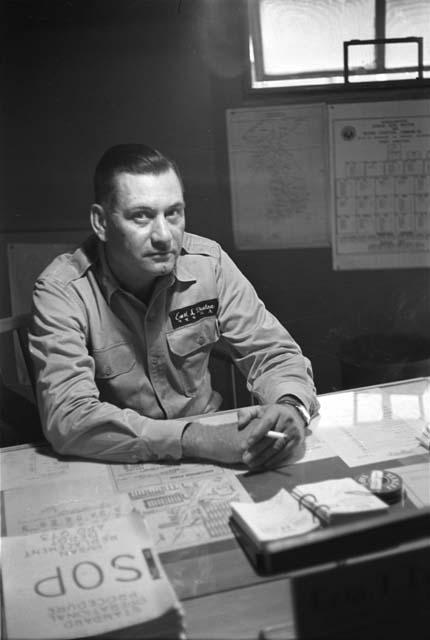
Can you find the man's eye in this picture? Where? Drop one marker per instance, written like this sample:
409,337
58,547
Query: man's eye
174,213
139,215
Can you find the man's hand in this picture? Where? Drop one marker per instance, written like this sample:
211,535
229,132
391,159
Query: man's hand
220,443
262,451
246,441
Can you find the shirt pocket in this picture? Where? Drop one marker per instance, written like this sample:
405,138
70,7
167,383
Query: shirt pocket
113,361
190,347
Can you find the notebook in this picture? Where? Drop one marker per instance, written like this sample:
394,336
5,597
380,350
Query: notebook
270,522
338,500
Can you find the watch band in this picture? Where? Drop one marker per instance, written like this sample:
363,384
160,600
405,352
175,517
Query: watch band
299,406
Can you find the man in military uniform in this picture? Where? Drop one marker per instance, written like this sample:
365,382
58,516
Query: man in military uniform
123,328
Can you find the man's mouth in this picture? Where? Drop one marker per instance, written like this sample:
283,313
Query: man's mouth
161,254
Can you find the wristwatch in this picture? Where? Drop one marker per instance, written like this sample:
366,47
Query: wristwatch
295,402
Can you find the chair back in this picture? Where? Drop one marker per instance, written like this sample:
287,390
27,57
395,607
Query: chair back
19,417
18,326
228,380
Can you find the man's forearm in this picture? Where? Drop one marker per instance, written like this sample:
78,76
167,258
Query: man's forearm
221,443
99,430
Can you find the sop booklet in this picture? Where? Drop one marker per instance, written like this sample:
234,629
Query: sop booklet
101,578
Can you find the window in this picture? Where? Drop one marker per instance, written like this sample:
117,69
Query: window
300,42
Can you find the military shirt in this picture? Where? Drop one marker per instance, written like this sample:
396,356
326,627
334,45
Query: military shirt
116,378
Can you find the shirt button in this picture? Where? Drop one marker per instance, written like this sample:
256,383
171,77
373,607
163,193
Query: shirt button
201,340
108,371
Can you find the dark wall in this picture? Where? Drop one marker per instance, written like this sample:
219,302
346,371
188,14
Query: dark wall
81,75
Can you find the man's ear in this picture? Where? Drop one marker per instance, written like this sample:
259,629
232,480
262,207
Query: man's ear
98,221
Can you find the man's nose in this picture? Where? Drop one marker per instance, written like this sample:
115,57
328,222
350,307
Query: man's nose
160,230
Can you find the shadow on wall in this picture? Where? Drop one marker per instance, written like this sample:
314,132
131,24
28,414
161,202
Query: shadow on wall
377,358
19,418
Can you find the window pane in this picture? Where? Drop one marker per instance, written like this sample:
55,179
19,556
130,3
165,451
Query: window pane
307,35
406,18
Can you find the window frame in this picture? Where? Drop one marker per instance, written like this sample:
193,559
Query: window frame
256,72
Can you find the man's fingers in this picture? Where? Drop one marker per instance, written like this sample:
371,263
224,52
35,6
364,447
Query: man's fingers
257,454
269,453
278,458
293,451
259,449
269,420
245,415
256,451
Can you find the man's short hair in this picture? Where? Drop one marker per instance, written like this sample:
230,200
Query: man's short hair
128,158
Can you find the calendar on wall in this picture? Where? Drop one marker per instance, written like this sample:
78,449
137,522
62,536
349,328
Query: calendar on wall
380,184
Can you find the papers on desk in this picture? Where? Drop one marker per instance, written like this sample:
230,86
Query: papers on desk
372,442
24,466
187,505
183,504
102,578
315,447
126,477
365,426
59,505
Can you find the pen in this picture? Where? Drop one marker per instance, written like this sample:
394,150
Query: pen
276,435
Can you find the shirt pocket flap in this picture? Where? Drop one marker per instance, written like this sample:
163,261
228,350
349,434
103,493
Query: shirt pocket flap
114,360
193,337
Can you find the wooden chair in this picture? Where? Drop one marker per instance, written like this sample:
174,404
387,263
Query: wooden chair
19,417
18,326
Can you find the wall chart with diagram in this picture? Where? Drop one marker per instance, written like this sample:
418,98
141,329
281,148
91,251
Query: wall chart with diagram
278,176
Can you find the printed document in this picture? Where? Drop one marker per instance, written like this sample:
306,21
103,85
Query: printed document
23,466
278,176
380,184
189,506
375,441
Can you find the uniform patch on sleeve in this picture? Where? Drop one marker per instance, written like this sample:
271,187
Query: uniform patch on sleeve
194,312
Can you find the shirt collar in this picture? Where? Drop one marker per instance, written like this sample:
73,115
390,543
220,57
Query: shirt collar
181,272
111,284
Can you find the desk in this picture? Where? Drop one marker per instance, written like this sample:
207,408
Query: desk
223,595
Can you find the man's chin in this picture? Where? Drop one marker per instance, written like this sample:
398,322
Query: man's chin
165,269
162,267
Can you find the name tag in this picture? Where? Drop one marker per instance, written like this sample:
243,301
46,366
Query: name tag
193,313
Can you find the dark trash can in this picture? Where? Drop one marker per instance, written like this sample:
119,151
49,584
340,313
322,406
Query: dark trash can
377,358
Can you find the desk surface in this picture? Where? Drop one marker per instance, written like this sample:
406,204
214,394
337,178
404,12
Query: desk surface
357,430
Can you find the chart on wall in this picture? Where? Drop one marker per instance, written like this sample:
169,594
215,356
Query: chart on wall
278,175
380,184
